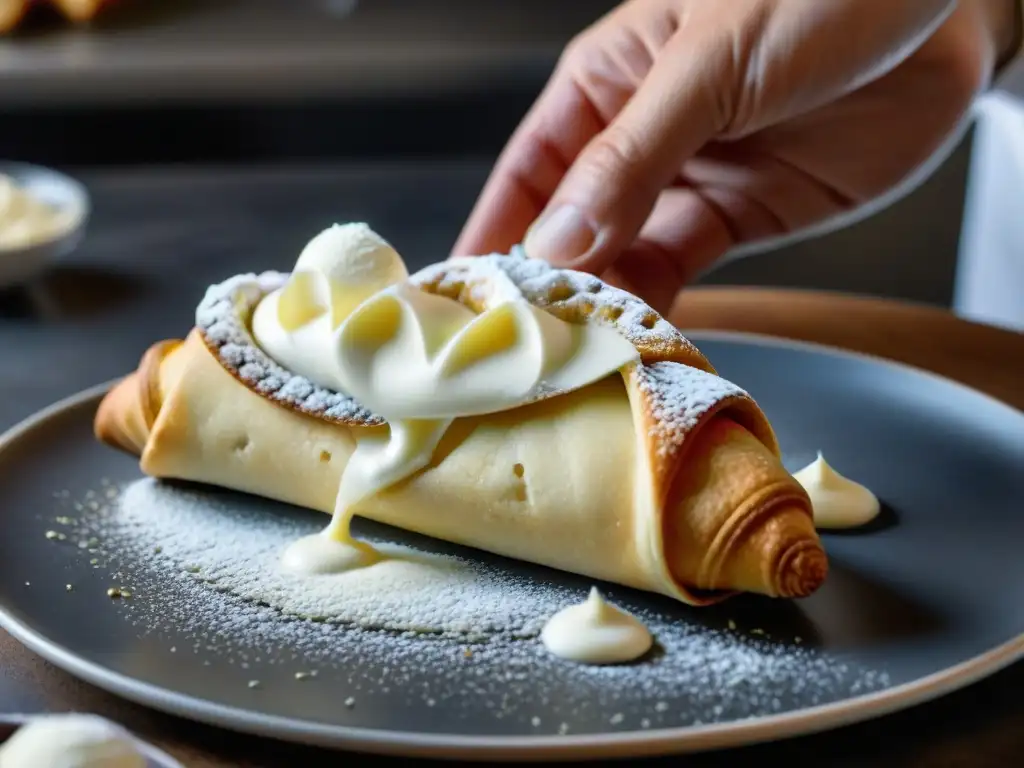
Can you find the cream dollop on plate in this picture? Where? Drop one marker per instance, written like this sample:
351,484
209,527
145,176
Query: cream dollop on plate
838,502
596,632
70,741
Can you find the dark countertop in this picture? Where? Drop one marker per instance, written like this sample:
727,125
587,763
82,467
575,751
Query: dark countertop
158,238
239,50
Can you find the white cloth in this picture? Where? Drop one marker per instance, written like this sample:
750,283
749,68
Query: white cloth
990,273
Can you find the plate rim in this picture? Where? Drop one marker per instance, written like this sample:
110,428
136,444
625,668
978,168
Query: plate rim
769,340
568,747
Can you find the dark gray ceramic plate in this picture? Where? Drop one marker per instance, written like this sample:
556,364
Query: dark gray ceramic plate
928,601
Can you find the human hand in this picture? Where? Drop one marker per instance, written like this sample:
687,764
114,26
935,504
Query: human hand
674,130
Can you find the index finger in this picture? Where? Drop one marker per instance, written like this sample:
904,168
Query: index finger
555,130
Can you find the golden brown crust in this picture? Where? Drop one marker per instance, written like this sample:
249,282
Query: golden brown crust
747,523
674,401
127,413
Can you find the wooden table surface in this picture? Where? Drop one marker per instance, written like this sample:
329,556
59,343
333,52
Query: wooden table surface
980,727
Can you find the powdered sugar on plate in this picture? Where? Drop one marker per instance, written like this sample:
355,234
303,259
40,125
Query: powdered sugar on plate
410,590
441,626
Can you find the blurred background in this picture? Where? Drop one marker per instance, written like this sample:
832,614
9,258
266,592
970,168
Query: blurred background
217,134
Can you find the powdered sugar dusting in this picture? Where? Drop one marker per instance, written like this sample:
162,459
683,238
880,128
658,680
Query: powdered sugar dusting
461,644
678,397
219,319
546,286
409,591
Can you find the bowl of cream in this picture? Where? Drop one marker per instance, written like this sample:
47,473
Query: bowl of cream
43,214
74,740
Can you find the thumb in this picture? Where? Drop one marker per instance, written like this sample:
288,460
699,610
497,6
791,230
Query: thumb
613,184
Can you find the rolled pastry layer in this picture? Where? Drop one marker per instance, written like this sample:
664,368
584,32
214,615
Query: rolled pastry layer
666,478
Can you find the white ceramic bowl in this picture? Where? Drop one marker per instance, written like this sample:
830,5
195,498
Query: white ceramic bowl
19,265
155,758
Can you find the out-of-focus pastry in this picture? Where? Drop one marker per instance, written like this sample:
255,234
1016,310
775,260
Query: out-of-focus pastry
76,11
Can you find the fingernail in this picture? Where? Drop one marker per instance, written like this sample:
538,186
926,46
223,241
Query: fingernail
560,237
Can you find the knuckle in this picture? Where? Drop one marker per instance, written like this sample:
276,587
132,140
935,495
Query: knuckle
577,53
617,155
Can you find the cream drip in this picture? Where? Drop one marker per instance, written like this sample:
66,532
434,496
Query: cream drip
838,502
596,632
348,320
